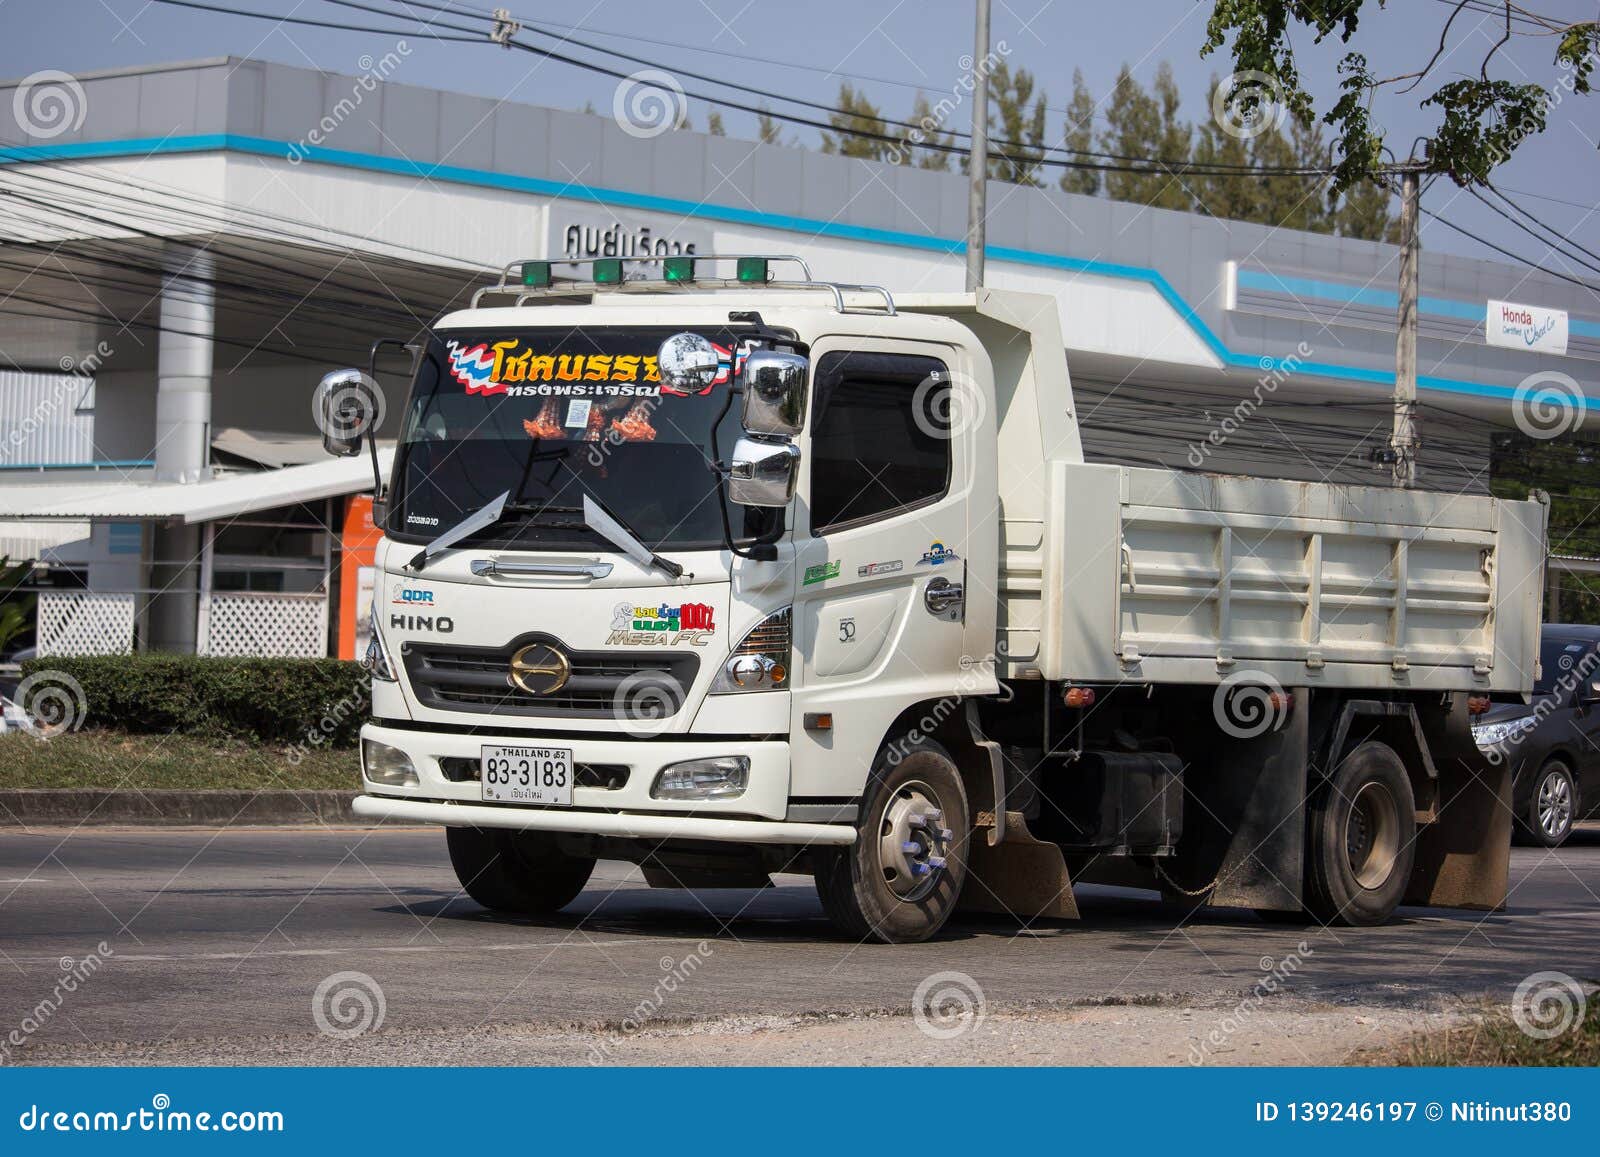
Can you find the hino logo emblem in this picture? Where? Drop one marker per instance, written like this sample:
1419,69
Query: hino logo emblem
540,669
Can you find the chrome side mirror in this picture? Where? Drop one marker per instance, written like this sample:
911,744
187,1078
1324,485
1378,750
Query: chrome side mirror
763,473
347,407
775,393
687,363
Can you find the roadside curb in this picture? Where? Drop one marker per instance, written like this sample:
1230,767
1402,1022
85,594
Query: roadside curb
29,807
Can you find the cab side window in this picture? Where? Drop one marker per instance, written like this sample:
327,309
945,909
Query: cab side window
880,441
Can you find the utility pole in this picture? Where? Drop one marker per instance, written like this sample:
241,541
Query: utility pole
1404,441
978,163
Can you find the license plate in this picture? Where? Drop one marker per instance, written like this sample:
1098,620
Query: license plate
527,775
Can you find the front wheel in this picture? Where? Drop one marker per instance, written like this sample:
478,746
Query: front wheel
520,872
1547,820
1361,839
899,882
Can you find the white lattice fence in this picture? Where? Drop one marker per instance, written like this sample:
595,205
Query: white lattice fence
85,623
243,623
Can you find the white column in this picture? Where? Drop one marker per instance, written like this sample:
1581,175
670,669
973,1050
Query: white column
183,371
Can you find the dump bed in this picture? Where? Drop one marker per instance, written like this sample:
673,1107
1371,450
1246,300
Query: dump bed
1167,576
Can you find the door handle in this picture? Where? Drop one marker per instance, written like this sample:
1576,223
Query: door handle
944,599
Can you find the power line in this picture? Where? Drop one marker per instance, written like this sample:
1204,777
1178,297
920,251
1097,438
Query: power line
1157,168
1508,253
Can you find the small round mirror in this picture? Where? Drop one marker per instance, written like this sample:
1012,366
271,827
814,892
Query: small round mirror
688,364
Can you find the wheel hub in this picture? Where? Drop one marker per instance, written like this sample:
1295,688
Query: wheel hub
1555,804
913,842
1372,835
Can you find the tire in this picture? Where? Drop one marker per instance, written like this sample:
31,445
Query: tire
871,890
1361,839
519,872
1546,819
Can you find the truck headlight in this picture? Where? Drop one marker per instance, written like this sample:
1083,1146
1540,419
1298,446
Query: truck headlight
719,777
387,765
761,660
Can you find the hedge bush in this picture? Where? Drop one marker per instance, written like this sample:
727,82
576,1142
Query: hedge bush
263,700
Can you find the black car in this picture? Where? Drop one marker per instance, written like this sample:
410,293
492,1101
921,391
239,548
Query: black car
1553,742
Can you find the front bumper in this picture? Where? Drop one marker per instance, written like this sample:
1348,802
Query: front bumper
757,816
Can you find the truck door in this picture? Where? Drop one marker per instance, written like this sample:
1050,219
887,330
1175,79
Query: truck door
880,549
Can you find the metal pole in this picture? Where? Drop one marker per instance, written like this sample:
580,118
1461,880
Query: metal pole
978,164
1404,441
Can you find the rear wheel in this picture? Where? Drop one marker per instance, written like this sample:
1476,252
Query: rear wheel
521,872
898,883
1361,839
1547,820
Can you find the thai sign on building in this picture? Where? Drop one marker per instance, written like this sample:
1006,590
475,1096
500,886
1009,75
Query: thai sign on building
1526,327
581,233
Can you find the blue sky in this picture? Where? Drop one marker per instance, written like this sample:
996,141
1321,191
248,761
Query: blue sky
890,49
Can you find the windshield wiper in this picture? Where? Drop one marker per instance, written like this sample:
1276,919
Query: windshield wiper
484,517
609,527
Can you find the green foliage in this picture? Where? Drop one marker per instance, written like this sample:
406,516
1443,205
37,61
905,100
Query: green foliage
1015,116
16,610
1146,124
857,115
261,700
1080,136
1568,470
1482,121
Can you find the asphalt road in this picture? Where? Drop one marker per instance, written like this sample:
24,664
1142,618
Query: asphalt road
226,936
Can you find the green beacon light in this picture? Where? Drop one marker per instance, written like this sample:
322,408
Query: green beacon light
753,270
536,274
608,272
678,268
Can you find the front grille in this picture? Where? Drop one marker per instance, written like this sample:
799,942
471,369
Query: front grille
603,684
609,776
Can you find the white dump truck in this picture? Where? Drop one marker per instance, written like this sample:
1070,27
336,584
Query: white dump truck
726,571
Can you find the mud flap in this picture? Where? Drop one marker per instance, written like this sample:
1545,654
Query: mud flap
1464,856
1248,830
1020,876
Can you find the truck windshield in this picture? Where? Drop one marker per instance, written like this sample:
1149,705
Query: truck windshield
552,414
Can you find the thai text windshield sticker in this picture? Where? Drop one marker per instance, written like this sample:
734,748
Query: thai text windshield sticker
663,625
516,369
822,572
937,555
873,568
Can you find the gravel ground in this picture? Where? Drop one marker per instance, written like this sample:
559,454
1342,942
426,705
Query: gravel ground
1285,1031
